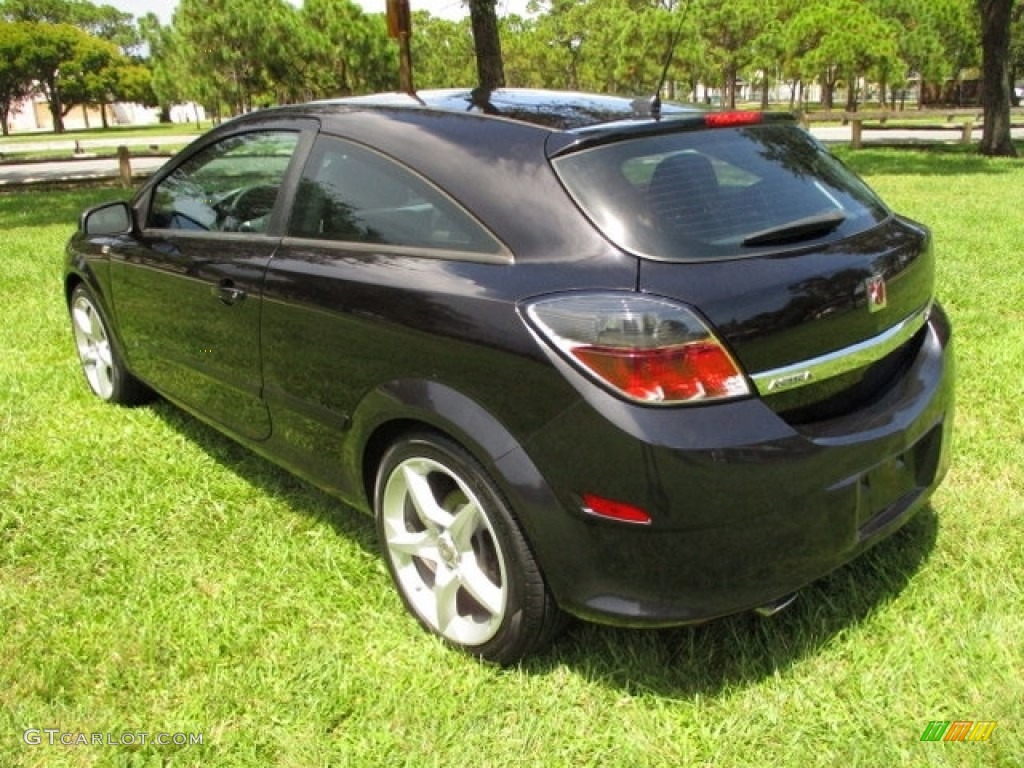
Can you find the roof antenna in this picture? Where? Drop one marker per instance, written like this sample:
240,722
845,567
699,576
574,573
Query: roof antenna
655,103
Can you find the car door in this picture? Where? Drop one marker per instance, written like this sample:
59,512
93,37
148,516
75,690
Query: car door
187,292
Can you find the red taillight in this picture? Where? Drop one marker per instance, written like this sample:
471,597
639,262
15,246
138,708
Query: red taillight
648,349
688,372
615,510
731,119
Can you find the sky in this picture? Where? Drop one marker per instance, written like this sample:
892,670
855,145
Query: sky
450,9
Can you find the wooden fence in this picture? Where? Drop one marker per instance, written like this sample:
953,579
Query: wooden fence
966,120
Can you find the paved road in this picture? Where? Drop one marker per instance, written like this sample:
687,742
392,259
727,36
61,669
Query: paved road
85,168
75,170
87,144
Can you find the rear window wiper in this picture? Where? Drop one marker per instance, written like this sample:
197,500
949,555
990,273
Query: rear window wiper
800,229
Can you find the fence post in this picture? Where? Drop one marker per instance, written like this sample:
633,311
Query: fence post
856,127
966,136
124,166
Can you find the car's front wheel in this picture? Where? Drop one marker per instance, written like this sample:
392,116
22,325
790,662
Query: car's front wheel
101,362
457,556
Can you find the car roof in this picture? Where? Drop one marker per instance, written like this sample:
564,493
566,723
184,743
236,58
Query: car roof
558,110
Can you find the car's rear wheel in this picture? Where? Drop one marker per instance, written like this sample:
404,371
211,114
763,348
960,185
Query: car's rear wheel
101,362
457,556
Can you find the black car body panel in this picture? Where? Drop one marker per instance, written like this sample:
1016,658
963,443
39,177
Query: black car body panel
778,310
318,349
798,501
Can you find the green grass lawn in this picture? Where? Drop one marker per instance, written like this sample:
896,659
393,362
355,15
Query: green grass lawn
154,577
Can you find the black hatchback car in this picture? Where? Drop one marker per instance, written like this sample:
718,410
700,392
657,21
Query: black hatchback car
575,358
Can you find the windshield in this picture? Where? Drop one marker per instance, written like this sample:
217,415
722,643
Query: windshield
718,194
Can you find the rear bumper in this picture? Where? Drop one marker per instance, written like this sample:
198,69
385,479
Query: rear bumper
744,507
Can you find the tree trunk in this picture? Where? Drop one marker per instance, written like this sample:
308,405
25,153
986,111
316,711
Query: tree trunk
731,76
852,93
56,107
483,17
995,77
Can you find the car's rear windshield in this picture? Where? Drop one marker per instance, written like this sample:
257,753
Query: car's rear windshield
718,194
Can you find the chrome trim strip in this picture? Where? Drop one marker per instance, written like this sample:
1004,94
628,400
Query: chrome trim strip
842,360
501,257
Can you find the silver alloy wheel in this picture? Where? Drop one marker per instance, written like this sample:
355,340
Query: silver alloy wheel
445,554
93,346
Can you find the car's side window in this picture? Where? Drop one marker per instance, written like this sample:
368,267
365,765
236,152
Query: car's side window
231,186
350,193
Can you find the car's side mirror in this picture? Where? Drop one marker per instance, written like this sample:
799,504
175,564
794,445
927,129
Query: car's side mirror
108,219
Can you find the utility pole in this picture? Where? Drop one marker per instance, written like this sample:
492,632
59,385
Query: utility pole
400,28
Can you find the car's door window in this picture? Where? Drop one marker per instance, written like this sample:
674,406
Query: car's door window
350,193
230,186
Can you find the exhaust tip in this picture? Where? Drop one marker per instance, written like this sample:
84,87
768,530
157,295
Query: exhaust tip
777,605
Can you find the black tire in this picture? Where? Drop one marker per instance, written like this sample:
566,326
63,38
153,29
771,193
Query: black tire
456,553
101,361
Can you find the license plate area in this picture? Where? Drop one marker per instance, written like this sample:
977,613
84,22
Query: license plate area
886,490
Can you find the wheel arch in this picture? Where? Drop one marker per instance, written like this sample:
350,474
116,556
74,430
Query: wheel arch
71,281
81,272
401,407
404,406
94,275
409,407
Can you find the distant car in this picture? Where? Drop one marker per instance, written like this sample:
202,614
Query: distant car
576,358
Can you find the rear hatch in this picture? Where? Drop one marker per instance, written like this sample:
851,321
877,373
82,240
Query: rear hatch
819,290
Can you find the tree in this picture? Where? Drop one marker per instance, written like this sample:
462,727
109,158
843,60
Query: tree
561,43
90,75
442,52
54,47
730,29
167,64
641,44
955,25
347,51
102,21
863,44
608,45
996,16
77,53
15,74
133,82
919,47
228,47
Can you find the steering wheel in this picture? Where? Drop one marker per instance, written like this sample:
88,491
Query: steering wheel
246,210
